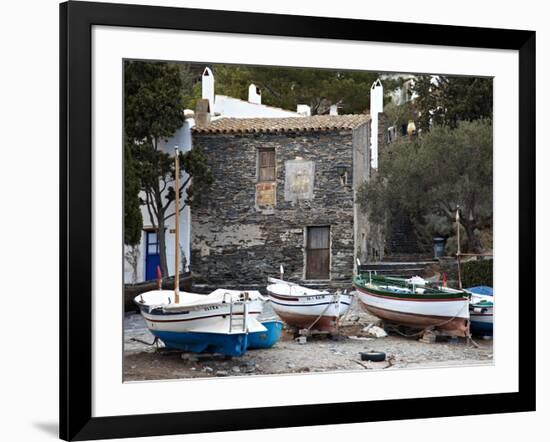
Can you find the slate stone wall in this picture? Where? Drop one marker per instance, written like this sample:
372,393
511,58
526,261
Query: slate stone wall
235,243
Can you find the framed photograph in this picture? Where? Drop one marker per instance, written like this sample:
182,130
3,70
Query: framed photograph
274,220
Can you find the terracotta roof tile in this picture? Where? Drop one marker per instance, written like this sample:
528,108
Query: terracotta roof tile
316,123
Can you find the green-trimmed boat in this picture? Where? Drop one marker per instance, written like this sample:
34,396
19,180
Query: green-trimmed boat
414,303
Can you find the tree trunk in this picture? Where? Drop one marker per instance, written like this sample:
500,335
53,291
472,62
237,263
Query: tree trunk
162,247
473,243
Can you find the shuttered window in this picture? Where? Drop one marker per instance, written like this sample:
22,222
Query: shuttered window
266,165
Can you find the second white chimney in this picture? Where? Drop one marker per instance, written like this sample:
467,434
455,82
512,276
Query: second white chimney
254,94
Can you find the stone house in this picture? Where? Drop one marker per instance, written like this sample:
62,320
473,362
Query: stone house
283,193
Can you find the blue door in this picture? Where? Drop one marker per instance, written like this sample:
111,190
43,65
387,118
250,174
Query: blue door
152,257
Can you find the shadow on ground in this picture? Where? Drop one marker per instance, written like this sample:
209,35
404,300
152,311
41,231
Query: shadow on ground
49,428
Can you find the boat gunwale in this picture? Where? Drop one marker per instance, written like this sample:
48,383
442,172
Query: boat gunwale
360,285
289,297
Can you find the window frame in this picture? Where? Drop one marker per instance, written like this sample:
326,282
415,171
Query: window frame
260,152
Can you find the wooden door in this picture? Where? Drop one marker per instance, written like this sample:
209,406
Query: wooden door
152,255
318,253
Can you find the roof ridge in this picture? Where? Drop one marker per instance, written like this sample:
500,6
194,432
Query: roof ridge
283,124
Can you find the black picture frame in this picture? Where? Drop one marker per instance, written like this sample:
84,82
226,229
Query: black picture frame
76,21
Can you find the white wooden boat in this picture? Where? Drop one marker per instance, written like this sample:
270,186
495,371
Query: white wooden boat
306,308
219,322
414,304
216,323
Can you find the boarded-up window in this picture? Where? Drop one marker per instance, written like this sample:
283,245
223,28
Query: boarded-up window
318,253
266,165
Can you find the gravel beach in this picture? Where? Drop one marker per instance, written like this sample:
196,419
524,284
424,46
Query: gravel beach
321,353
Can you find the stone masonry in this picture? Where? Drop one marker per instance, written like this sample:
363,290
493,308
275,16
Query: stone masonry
238,238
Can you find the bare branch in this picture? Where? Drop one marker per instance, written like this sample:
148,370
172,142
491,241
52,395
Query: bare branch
184,185
151,217
151,202
172,214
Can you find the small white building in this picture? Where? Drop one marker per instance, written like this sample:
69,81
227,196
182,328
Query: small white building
140,263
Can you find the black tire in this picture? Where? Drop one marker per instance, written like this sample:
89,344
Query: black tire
373,356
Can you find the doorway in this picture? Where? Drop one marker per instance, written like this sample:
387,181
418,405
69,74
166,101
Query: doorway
318,252
152,255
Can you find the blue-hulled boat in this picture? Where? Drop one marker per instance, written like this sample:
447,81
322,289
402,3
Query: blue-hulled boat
220,322
267,338
481,310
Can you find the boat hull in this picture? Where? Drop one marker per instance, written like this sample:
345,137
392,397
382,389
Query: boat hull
450,315
481,310
210,319
223,343
215,323
318,312
268,338
481,323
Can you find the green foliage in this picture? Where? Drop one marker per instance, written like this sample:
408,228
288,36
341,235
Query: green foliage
476,273
398,115
155,94
133,221
153,100
430,176
451,243
287,87
195,164
449,100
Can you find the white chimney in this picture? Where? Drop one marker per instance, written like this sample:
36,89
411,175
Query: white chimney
208,87
376,107
304,110
254,94
333,110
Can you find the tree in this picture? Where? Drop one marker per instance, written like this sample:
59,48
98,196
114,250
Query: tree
398,115
154,94
450,100
429,177
133,221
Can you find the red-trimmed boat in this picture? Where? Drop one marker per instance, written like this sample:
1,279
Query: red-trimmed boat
305,308
413,303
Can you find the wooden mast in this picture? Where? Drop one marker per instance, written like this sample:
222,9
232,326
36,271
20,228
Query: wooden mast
458,247
177,220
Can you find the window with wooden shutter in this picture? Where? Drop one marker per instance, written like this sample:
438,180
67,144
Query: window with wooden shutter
266,165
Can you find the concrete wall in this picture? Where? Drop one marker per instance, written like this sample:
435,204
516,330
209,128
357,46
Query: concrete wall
236,243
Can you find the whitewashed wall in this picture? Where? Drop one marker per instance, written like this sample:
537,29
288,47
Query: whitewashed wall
235,108
182,139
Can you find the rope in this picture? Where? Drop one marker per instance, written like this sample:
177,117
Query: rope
334,297
421,332
322,313
341,319
155,341
471,341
